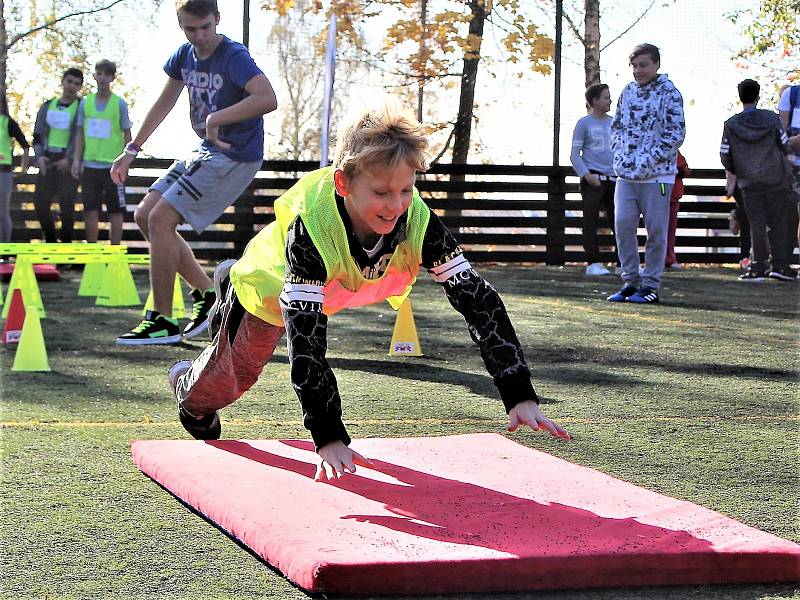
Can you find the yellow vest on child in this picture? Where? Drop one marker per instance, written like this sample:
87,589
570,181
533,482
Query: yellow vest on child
101,130
258,277
59,119
6,149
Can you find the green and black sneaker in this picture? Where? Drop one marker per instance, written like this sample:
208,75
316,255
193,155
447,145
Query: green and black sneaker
202,303
154,329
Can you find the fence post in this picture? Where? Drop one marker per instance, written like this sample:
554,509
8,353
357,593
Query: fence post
556,202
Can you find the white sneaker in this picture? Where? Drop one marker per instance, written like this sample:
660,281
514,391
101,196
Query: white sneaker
676,267
597,269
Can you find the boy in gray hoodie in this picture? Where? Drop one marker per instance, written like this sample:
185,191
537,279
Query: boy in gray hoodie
646,132
754,149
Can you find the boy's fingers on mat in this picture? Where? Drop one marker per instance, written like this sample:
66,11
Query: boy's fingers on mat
363,461
326,472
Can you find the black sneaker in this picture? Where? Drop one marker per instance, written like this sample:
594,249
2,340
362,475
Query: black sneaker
785,274
753,276
203,301
205,428
644,295
622,295
154,329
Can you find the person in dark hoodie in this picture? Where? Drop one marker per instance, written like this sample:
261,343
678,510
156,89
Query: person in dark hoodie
754,149
646,132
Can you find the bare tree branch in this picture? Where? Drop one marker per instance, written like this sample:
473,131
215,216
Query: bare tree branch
631,26
573,27
50,23
445,147
576,31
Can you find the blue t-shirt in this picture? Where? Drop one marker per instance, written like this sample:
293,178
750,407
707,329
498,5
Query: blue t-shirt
215,83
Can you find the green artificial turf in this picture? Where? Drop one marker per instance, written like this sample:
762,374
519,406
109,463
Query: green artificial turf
696,398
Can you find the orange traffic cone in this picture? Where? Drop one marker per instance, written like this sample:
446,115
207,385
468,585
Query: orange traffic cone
12,328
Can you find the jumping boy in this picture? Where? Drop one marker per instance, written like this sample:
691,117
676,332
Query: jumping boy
54,136
647,130
348,235
228,96
104,127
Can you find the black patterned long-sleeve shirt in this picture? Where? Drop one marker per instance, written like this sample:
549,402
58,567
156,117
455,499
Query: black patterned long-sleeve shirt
306,324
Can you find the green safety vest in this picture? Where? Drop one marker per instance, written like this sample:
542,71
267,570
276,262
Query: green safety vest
59,120
6,149
258,277
101,130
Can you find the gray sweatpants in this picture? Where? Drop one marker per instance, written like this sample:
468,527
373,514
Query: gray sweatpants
651,201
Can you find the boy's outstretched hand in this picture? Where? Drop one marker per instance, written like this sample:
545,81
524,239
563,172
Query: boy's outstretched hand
529,413
336,459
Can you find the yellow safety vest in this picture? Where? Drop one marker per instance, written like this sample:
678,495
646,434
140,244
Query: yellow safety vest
101,130
60,120
6,150
258,277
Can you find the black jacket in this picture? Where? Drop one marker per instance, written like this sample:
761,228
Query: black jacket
754,149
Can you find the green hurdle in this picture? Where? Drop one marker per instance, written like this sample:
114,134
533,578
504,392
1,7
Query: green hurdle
69,254
117,287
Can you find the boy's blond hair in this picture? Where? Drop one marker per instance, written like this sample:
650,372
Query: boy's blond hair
382,137
105,66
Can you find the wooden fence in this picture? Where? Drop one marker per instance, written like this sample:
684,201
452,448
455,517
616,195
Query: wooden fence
499,213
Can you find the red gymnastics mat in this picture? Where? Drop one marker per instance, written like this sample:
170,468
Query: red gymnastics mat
45,272
466,513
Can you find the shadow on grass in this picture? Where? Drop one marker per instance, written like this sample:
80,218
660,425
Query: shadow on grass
610,358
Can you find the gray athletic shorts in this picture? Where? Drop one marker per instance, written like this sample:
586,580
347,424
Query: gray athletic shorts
201,187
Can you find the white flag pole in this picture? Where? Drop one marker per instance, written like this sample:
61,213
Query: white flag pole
330,65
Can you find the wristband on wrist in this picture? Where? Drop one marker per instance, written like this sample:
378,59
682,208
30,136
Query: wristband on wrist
131,149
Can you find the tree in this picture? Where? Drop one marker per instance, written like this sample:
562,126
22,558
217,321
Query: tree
44,37
589,36
773,33
298,37
444,47
294,37
37,23
456,33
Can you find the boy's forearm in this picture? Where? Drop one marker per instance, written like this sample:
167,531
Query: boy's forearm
78,156
312,378
246,109
39,132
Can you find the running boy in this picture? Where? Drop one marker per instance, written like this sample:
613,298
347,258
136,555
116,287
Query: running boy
104,127
228,96
348,235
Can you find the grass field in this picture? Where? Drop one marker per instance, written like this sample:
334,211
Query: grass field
696,398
